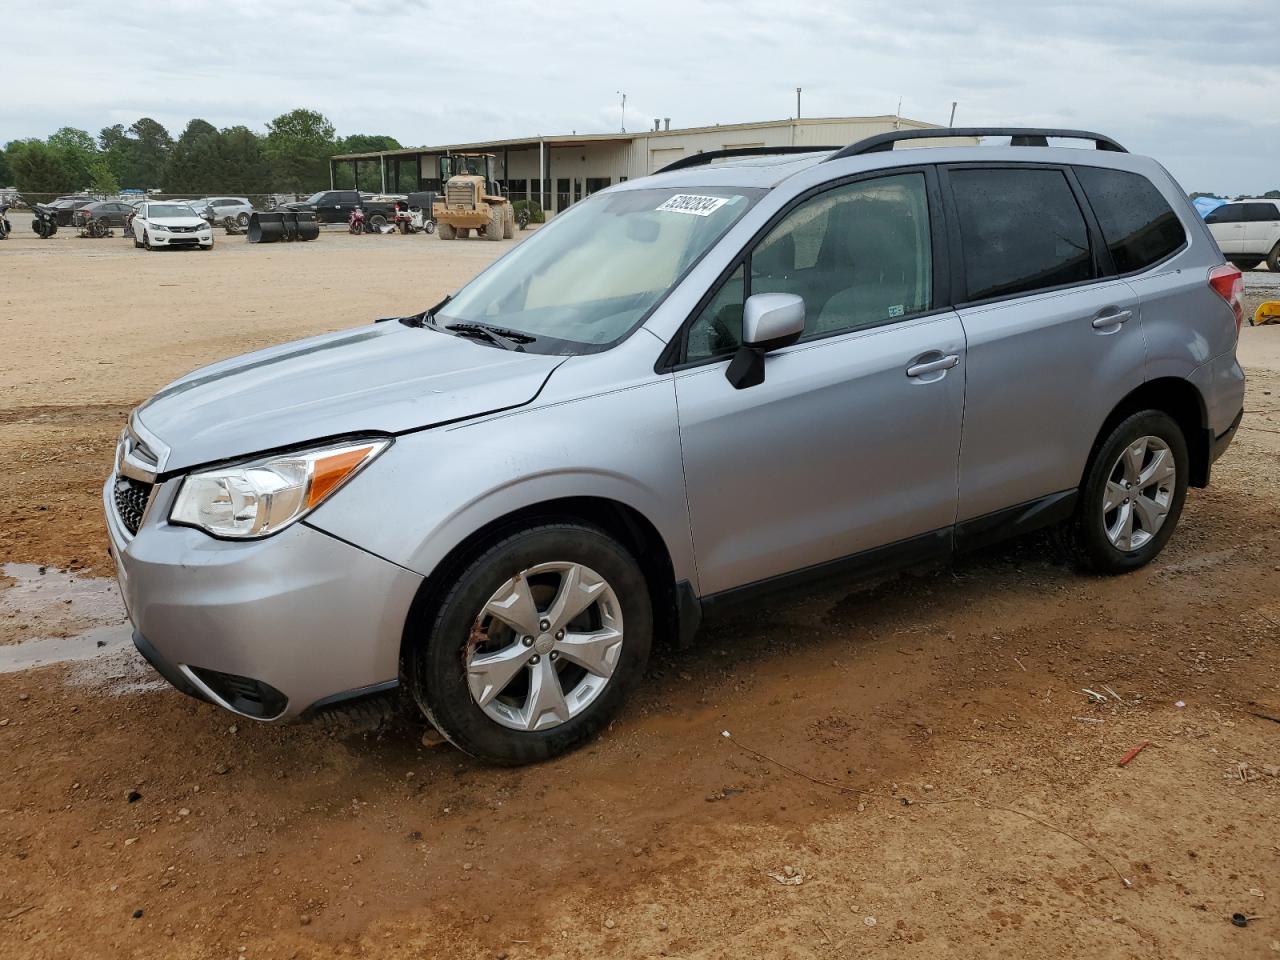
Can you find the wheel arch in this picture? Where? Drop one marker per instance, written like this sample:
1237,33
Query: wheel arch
1182,401
621,521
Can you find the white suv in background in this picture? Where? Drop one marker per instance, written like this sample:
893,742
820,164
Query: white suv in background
1248,231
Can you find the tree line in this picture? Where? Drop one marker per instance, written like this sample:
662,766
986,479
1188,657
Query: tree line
292,156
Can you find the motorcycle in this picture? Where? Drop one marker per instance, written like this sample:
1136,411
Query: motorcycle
44,219
355,221
6,227
95,228
522,218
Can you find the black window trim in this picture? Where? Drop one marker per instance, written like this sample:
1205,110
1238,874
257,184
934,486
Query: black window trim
671,359
1102,240
1100,255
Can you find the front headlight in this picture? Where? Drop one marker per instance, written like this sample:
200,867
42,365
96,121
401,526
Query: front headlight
159,228
263,497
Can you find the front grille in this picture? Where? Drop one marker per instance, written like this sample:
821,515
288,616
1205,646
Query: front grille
183,229
460,194
131,502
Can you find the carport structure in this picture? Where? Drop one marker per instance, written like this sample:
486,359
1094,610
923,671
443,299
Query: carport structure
554,171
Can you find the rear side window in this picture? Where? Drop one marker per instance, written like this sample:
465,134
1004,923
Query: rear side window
1021,230
1260,212
1138,225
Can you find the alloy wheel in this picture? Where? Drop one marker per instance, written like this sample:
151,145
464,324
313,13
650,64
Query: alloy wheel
1139,493
544,646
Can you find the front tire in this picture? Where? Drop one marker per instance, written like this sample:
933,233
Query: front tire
446,231
535,646
242,219
1273,259
1133,494
146,240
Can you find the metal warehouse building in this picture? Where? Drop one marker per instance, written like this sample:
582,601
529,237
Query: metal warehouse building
558,170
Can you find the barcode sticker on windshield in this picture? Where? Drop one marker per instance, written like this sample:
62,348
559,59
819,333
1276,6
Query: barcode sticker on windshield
692,203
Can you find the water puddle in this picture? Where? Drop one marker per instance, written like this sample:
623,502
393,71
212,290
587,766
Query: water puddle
50,617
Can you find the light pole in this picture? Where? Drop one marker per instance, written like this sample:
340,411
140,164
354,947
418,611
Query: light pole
797,103
624,110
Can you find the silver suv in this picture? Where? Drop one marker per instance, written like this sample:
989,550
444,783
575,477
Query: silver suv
753,370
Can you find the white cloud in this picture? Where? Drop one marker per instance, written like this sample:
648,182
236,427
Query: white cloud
1172,78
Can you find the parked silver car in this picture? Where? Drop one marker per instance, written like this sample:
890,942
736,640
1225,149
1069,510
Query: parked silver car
238,208
744,373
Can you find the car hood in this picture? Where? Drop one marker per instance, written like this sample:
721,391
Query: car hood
382,378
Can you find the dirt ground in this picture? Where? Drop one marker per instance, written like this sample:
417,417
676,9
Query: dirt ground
911,769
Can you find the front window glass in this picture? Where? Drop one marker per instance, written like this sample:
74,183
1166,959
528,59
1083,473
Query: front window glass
859,255
595,271
317,197
170,210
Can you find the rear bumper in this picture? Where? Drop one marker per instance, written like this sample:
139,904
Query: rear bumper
264,628
1218,445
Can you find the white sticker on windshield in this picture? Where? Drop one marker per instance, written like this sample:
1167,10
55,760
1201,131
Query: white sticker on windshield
692,203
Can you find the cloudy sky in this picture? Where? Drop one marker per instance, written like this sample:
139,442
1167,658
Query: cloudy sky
1192,82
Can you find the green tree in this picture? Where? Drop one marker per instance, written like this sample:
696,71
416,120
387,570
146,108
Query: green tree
101,178
188,165
38,168
239,163
299,144
6,171
1272,195
78,152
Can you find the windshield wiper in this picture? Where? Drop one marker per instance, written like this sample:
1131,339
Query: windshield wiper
425,317
509,339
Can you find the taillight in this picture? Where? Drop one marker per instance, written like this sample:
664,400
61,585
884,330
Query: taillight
1228,283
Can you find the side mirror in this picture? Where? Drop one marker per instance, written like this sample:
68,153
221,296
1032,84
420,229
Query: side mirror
770,321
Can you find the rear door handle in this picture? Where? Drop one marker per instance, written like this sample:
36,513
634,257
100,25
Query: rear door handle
933,366
1104,320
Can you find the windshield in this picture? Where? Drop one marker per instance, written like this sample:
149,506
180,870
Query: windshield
316,197
595,271
170,210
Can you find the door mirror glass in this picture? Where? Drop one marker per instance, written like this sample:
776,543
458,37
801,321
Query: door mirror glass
772,320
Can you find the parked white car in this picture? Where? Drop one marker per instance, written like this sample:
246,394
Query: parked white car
1248,232
238,208
168,224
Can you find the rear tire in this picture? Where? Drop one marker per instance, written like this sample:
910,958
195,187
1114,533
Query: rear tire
508,222
464,233
442,645
446,231
1273,259
377,222
1127,477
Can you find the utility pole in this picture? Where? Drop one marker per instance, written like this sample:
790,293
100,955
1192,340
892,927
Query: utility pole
952,121
797,103
624,110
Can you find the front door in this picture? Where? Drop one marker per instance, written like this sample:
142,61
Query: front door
1227,226
851,441
1051,348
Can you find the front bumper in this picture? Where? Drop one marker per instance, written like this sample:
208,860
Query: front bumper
300,616
181,240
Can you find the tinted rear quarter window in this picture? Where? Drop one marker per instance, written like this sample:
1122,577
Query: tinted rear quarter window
1138,225
1021,230
1260,212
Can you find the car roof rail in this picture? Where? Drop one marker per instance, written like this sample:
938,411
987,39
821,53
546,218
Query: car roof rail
700,159
1019,137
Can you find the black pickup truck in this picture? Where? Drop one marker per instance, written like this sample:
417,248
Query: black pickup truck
335,206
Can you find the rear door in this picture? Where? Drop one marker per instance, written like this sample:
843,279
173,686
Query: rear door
1261,227
1052,345
1227,226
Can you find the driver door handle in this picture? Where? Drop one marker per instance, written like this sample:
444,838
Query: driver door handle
1111,319
933,366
